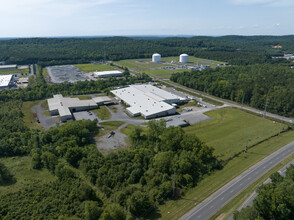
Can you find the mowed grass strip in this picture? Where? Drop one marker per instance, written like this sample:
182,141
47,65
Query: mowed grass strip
94,67
174,209
230,129
21,169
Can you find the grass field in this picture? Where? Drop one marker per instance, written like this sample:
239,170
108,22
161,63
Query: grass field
28,115
176,208
97,67
102,112
45,73
107,127
22,170
25,72
230,128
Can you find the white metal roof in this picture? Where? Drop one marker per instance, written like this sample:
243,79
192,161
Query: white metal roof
5,80
104,73
58,102
8,66
100,99
146,99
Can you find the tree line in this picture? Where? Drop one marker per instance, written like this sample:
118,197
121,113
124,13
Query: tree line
237,50
255,85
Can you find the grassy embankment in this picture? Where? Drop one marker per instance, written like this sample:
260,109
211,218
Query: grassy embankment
103,113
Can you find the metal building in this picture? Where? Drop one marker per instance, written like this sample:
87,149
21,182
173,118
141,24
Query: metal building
184,58
106,74
156,58
6,81
8,67
148,101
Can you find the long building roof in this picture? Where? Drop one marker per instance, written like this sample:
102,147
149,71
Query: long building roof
5,80
146,99
107,73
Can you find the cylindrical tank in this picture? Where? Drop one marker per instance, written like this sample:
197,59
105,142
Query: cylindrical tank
184,58
156,58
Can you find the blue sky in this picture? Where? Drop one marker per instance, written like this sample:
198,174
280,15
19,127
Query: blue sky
38,18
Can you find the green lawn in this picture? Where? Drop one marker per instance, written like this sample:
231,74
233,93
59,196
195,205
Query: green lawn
21,169
28,114
175,209
228,132
97,67
25,72
103,113
107,127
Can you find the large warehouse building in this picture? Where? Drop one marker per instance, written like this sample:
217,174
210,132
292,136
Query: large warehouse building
106,74
66,106
6,81
148,101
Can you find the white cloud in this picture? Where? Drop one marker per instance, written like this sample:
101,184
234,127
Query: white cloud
276,25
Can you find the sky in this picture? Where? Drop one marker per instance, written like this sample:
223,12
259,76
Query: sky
47,18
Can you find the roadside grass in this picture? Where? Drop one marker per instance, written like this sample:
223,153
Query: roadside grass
235,203
28,114
174,209
25,175
102,112
25,72
44,105
230,128
91,67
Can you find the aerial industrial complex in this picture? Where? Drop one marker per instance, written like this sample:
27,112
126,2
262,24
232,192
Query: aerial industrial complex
148,101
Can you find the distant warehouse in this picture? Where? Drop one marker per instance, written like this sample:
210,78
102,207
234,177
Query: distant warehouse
148,101
106,74
6,81
8,67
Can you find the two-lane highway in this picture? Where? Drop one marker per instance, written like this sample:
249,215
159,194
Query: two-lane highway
221,197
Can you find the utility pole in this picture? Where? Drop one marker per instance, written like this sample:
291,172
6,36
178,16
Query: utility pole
245,151
266,104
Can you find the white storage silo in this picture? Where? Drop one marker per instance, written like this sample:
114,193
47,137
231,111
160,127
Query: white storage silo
156,58
184,58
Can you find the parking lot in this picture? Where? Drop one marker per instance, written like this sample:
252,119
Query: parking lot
65,73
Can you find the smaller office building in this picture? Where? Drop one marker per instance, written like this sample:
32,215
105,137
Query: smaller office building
103,100
106,74
8,67
64,107
6,81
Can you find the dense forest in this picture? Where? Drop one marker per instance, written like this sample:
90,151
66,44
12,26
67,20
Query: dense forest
251,85
275,200
237,50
